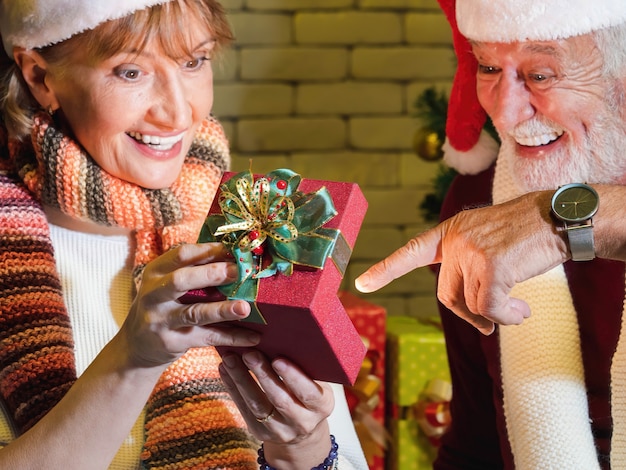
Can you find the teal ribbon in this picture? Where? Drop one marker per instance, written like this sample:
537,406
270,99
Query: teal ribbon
269,226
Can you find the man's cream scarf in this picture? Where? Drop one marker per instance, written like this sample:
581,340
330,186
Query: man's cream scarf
545,400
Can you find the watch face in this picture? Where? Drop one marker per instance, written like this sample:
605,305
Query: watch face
575,202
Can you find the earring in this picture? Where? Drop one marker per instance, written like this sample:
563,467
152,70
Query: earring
50,110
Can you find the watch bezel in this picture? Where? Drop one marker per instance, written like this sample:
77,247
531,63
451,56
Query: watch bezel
583,218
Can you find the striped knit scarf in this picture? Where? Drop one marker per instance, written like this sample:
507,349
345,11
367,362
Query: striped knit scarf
544,391
191,422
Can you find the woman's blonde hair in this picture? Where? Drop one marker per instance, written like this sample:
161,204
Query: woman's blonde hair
168,23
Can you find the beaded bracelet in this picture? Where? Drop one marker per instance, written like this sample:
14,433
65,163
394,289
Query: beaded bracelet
330,462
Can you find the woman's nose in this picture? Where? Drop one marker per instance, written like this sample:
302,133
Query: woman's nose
172,106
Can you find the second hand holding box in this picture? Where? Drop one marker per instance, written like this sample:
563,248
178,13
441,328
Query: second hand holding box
292,239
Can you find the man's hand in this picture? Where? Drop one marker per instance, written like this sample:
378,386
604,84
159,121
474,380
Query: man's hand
483,253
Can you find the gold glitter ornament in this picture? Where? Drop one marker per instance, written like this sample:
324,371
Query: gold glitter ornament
427,145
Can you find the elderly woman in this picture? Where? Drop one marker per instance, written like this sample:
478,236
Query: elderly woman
109,160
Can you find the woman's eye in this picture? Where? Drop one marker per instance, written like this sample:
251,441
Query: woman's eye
538,77
129,74
196,63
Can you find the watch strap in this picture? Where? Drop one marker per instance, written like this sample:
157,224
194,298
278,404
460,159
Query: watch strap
581,242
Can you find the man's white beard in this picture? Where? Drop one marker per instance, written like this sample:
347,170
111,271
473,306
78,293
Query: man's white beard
600,159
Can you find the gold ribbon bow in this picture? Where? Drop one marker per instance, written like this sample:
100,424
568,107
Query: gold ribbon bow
432,410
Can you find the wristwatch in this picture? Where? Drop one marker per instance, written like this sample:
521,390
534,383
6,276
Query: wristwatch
575,204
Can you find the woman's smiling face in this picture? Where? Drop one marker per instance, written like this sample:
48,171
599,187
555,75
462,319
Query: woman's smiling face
136,112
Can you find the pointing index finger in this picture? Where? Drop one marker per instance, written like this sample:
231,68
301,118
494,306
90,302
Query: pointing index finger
420,251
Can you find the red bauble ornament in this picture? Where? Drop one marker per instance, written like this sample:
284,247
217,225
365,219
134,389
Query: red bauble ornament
253,235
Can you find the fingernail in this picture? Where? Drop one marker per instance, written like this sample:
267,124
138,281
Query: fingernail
251,358
254,338
362,281
487,330
520,306
232,271
279,366
241,308
229,360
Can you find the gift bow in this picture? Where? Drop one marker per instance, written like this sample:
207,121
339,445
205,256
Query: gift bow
269,226
432,411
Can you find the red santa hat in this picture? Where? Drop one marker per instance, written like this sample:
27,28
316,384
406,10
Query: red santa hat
468,148
39,23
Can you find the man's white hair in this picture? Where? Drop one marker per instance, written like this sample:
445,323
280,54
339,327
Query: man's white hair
612,44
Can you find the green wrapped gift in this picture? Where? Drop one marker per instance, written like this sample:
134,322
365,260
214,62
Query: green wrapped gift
418,385
411,448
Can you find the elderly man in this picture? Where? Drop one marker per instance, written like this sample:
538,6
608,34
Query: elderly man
548,388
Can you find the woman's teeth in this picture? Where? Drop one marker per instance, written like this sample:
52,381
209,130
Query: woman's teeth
157,142
537,140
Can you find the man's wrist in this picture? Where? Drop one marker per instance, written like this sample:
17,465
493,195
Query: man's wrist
573,206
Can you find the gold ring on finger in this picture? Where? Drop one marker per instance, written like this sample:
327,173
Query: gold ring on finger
267,418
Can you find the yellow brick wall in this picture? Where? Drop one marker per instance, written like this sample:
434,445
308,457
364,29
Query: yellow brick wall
327,88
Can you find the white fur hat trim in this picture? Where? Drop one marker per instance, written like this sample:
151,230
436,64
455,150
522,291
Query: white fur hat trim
39,23
535,20
476,159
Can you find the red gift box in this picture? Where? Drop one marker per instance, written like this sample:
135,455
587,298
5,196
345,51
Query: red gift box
366,398
304,318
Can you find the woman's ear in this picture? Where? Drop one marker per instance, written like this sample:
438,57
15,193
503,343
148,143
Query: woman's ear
34,69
